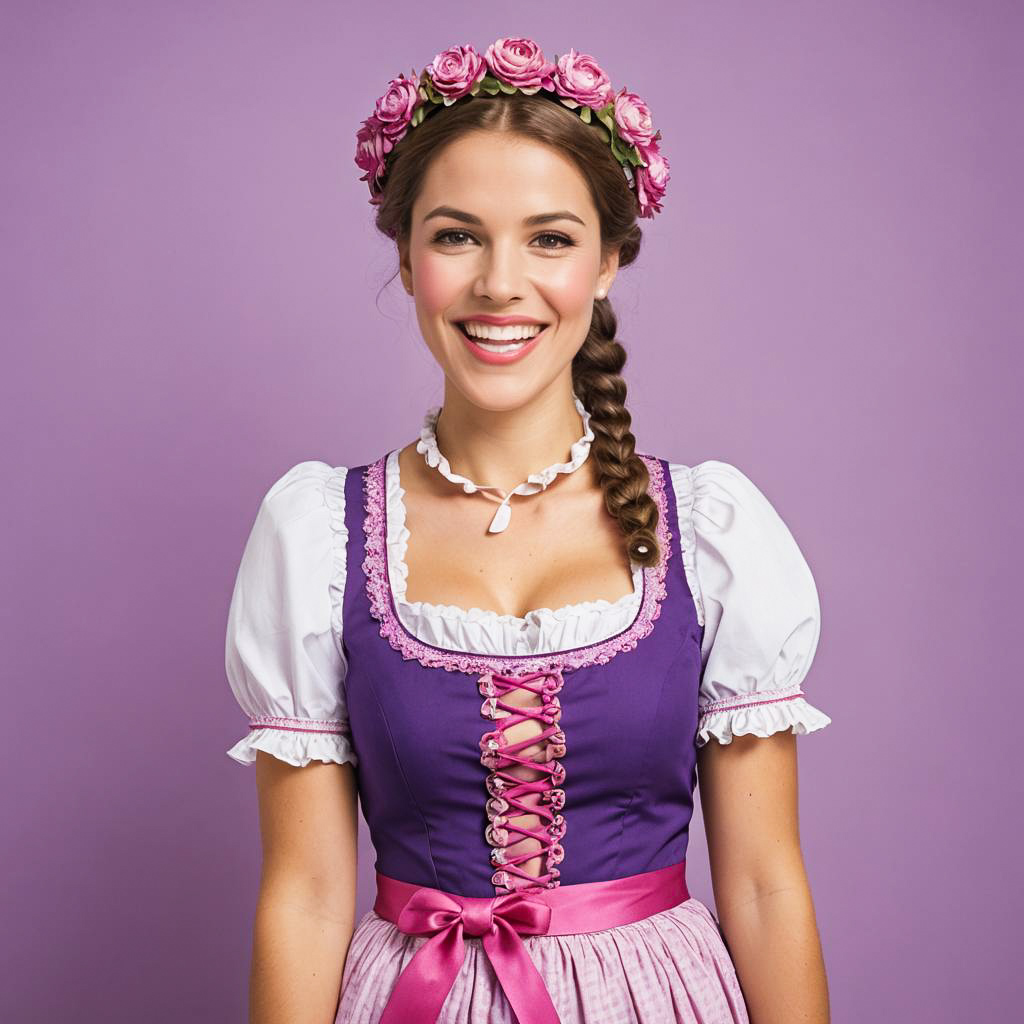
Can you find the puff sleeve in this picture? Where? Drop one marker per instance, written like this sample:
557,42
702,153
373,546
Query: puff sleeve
283,654
760,610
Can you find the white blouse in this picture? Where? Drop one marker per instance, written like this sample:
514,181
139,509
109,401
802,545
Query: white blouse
753,591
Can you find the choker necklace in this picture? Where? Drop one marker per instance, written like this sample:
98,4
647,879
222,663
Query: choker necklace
427,446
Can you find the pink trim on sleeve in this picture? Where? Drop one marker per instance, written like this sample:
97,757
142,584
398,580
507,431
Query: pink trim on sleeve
744,701
298,724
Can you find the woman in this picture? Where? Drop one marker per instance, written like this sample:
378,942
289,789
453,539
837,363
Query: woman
522,691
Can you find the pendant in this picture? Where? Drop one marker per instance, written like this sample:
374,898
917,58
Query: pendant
501,518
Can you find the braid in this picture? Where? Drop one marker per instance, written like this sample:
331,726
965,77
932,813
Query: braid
623,475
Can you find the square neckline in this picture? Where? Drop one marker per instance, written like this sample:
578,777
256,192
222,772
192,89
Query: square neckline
383,606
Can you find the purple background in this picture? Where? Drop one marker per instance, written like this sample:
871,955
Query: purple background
194,300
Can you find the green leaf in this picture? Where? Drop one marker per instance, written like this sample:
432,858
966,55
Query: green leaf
585,113
430,93
619,150
505,87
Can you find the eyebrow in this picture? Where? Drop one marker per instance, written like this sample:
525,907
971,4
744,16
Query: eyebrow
469,218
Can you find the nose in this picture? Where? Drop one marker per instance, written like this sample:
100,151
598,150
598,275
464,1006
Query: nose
501,272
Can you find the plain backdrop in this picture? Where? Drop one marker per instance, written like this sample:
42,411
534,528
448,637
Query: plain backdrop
194,299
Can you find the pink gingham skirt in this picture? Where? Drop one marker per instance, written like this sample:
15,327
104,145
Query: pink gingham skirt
670,967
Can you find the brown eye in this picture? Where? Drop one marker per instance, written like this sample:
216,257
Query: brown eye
442,235
558,238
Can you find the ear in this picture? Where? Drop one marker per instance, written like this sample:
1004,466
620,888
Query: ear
404,266
609,268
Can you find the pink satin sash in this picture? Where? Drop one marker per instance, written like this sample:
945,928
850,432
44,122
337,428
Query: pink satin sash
427,979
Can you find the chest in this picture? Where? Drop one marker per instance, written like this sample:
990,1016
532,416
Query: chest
561,548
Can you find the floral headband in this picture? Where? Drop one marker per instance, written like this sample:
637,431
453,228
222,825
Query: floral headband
517,65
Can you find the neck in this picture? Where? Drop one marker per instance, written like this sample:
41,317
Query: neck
502,448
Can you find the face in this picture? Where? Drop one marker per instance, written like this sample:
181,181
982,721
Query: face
504,227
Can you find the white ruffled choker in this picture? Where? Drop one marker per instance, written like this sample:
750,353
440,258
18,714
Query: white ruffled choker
427,446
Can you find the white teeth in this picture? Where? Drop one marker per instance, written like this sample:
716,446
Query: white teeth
491,347
514,332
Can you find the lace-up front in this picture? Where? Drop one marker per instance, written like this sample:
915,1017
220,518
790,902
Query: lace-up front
521,783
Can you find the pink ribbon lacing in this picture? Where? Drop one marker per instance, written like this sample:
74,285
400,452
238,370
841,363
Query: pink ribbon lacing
507,790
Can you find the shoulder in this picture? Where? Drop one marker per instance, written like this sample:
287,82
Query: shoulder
734,532
708,475
292,570
716,494
303,488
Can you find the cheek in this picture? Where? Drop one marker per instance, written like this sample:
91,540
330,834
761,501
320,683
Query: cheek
439,282
569,287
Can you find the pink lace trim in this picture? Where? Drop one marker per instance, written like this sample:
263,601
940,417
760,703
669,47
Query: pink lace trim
508,790
749,700
378,590
296,724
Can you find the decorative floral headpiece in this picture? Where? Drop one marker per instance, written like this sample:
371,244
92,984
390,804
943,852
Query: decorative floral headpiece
517,65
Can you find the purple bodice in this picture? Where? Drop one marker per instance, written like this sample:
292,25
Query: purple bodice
617,719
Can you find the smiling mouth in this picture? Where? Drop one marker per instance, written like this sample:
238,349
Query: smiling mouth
497,346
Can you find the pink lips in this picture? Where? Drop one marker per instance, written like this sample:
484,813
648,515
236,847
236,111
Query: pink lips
502,358
500,321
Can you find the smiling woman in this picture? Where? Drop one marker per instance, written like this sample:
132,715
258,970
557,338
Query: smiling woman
520,705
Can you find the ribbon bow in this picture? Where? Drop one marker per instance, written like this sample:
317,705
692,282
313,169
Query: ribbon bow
424,985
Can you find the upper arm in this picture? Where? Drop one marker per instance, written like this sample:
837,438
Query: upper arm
761,618
309,832
749,801
286,666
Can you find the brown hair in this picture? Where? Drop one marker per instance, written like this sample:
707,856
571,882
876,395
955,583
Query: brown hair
597,366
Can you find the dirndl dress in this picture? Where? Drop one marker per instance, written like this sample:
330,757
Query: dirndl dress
508,767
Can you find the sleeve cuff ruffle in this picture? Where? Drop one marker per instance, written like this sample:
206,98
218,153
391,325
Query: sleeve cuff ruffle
764,719
297,748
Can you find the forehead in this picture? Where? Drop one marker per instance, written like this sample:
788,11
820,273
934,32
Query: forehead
501,176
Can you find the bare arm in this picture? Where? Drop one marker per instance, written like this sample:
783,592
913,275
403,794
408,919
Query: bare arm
748,791
305,914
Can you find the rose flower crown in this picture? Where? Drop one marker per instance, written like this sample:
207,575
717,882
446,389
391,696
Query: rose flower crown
518,65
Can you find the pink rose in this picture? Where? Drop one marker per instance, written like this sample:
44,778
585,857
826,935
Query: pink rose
395,108
372,145
651,180
456,70
579,78
633,119
519,62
